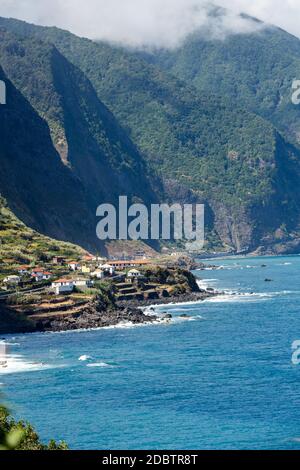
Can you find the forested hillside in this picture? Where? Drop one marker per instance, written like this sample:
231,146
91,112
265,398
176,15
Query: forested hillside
220,143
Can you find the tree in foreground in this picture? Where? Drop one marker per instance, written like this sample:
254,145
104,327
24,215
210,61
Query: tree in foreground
18,435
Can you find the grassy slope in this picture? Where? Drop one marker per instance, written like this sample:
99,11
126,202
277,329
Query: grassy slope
22,245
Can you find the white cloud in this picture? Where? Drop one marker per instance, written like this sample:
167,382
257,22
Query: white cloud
285,14
149,22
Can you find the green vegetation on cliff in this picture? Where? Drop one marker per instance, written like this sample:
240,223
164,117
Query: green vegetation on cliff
217,141
63,153
255,71
20,244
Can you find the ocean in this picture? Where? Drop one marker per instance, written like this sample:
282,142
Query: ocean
220,378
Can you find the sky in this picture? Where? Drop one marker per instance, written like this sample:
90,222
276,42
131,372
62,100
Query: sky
152,23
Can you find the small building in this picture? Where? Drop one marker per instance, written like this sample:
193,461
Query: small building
134,274
107,268
85,283
63,286
89,258
85,269
12,280
22,270
59,261
44,276
98,273
139,254
37,270
39,274
128,264
74,265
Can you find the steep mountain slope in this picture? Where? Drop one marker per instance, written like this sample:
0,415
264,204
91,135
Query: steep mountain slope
37,186
95,153
85,133
229,157
254,70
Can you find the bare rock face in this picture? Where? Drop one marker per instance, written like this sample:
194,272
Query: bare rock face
234,229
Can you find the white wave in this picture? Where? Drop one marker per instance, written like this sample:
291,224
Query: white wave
99,364
13,364
171,305
186,319
205,284
129,325
84,358
247,297
177,310
234,298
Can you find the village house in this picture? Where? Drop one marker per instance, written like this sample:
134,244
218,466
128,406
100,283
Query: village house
59,261
74,265
86,283
22,270
128,264
12,281
134,276
107,268
139,254
89,258
98,273
44,276
85,269
63,286
37,272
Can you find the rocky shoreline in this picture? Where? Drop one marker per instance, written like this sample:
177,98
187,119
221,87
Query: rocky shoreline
94,315
125,312
182,298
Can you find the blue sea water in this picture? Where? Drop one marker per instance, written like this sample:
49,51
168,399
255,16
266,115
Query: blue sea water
222,379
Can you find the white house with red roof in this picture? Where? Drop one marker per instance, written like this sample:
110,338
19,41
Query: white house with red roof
39,274
23,270
74,265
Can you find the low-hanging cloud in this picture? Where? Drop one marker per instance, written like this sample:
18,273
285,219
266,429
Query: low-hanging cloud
140,23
